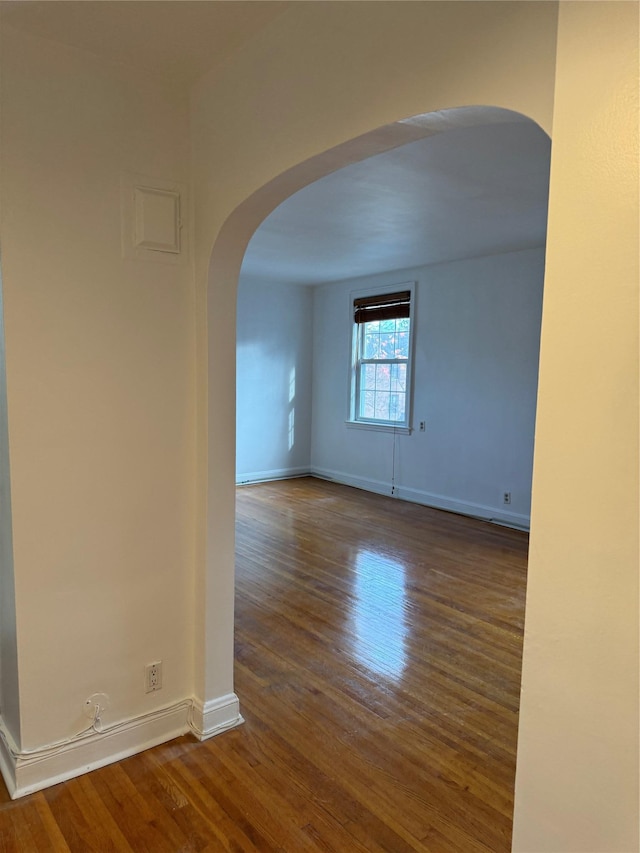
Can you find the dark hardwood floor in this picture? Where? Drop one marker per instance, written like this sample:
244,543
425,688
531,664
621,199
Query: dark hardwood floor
378,648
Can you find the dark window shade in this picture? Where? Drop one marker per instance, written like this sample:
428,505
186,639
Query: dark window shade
388,306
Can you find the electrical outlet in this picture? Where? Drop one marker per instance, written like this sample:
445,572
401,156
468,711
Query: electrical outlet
153,676
423,426
506,497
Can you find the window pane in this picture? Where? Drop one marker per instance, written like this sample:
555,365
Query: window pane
385,339
381,407
368,377
397,407
398,377
367,404
383,376
387,346
371,342
402,345
383,392
393,386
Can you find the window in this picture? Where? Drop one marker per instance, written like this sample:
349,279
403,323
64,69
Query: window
381,359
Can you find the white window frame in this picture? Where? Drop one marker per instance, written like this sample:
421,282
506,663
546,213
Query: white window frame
353,421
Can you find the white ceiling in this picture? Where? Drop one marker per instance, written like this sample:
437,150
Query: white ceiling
463,193
459,193
178,41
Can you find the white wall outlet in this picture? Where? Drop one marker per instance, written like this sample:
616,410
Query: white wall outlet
153,676
506,497
423,426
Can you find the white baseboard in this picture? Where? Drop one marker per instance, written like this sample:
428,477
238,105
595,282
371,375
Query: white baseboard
365,483
26,772
7,766
489,513
430,499
215,716
274,474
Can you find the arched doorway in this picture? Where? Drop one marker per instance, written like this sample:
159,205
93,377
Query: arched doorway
215,668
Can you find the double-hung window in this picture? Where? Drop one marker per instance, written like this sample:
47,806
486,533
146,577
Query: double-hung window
381,369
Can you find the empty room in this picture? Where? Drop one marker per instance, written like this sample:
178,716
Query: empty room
379,589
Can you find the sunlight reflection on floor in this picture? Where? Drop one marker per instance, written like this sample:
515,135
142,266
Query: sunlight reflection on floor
379,615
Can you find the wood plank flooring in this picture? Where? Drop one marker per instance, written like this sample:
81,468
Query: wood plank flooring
378,648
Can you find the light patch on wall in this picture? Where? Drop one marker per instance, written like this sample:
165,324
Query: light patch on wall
292,384
292,410
292,431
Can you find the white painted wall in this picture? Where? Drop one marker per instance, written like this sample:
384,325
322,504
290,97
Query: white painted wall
273,375
101,407
578,751
476,345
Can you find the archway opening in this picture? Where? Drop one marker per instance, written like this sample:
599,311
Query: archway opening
229,252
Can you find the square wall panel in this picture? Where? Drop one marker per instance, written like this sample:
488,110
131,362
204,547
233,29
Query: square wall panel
157,219
153,219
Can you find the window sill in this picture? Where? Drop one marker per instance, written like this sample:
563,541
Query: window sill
371,425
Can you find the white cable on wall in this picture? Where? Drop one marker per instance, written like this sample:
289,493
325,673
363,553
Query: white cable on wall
41,752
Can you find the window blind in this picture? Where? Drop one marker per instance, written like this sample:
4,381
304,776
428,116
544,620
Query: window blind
387,306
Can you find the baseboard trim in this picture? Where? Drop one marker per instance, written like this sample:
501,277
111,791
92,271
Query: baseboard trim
365,483
215,716
7,761
274,474
483,511
430,499
27,772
